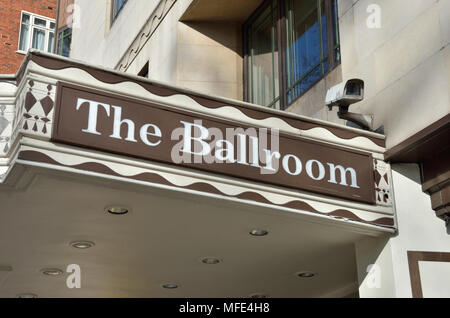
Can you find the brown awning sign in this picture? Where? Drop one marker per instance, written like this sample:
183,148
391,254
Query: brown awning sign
108,122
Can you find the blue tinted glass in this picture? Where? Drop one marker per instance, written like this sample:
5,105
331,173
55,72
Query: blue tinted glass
309,80
118,6
307,45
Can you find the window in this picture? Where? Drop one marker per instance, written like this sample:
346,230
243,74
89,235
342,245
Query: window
64,42
36,32
117,5
263,86
144,71
289,46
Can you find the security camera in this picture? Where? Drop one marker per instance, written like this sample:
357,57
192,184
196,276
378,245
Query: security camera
345,94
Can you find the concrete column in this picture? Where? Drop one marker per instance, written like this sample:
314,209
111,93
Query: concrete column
375,268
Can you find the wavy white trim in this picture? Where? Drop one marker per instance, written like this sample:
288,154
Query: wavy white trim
178,170
185,181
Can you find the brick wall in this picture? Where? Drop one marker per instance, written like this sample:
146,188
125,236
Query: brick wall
10,11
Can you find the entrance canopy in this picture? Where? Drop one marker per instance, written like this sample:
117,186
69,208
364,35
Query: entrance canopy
195,173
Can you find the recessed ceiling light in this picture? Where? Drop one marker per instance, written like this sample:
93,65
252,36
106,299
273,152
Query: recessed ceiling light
211,260
306,274
51,271
117,210
82,244
257,295
5,268
170,286
27,295
258,232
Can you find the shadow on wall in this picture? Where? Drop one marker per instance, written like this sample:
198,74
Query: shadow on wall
210,58
221,34
408,170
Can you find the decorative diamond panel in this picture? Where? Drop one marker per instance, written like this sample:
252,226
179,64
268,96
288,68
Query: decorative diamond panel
6,127
383,190
37,111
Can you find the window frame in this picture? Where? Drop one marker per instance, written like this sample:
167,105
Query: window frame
31,24
332,36
144,72
253,17
115,14
60,40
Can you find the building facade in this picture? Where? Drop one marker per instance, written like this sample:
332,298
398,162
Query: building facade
24,25
346,212
66,19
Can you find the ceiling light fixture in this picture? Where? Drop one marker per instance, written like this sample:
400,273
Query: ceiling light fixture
5,268
257,295
306,274
82,244
258,232
51,271
211,260
116,210
27,295
170,286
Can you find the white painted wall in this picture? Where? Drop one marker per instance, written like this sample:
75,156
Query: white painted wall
435,285
405,64
418,230
375,268
98,43
161,50
204,56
